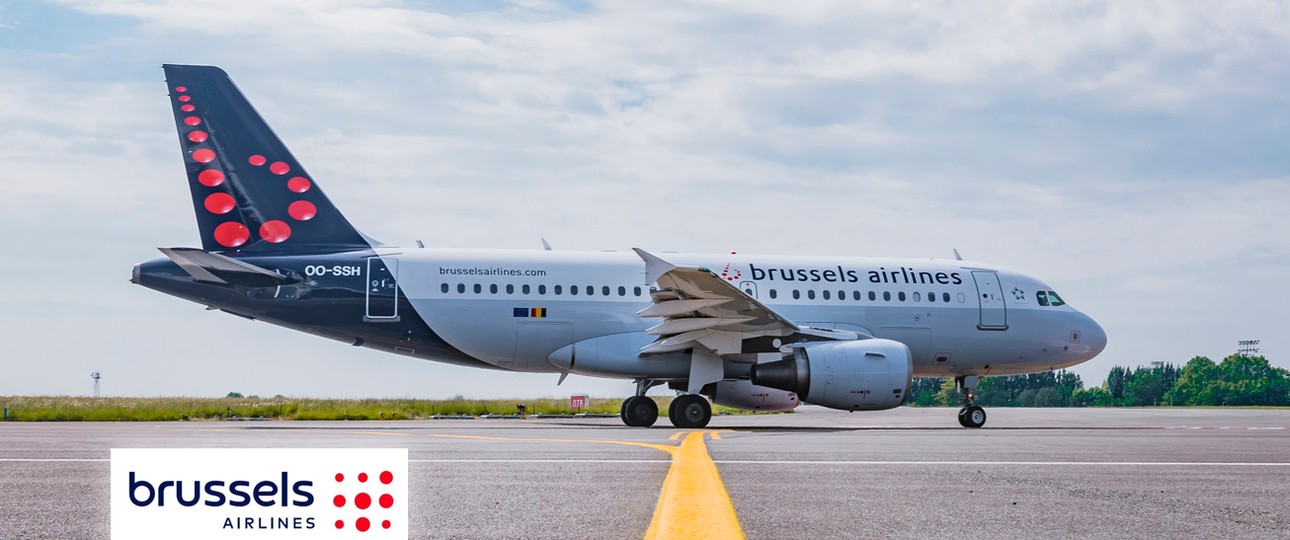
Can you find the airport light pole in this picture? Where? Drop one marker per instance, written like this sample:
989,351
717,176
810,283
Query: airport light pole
96,375
1247,347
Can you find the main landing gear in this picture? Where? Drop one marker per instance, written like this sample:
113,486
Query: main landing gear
970,416
640,410
687,411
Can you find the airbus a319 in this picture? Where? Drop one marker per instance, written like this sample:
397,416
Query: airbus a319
745,331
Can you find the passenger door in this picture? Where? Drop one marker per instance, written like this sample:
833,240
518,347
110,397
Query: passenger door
989,292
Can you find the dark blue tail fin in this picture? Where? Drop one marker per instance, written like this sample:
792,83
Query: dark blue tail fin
249,192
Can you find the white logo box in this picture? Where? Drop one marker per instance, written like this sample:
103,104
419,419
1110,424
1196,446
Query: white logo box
259,493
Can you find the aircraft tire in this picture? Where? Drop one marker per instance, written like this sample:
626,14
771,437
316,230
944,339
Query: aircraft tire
639,411
972,417
690,411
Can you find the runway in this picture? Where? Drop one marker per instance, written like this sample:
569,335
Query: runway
907,473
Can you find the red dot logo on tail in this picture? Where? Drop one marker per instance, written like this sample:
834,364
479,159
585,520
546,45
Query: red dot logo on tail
231,234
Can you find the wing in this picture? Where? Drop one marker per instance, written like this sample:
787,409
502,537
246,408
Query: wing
699,309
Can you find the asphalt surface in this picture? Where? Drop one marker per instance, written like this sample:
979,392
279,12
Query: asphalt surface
907,473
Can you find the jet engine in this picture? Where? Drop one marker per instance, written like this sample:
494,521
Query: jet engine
864,375
750,397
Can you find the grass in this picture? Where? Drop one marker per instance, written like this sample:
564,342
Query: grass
114,409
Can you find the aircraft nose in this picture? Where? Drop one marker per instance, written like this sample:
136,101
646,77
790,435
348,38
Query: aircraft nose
1094,336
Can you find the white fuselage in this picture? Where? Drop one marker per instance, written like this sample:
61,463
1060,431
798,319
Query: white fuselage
514,309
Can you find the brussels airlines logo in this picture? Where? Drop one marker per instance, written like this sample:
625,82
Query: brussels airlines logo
259,493
731,275
839,274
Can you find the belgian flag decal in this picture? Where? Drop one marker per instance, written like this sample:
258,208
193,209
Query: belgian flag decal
537,312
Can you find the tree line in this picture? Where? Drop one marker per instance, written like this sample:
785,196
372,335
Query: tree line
1237,380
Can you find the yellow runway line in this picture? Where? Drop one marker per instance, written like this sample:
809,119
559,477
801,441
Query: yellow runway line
694,502
676,435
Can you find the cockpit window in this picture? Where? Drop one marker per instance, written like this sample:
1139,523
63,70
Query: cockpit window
1043,297
1054,299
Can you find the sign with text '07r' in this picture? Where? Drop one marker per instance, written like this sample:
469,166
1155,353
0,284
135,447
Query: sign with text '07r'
215,493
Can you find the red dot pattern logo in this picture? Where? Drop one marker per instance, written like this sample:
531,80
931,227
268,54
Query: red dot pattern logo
731,276
232,234
302,210
210,178
275,231
298,184
363,501
219,203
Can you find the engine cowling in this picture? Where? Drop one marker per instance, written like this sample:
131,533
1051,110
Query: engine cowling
864,375
745,395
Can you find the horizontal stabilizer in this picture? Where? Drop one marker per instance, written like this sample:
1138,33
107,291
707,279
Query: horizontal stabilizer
216,268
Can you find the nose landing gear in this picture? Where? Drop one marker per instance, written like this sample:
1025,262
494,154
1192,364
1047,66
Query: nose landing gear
971,415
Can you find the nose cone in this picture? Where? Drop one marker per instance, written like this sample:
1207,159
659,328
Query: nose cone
1094,337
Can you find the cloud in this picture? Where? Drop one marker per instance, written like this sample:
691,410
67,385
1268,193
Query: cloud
1129,153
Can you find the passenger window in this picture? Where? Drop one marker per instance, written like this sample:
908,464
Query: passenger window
636,291
918,297
855,295
591,290
826,294
901,296
873,296
443,288
773,294
886,296
510,289
478,288
797,295
842,295
931,297
622,291
461,288
492,288
810,295
573,290
558,290
541,289
525,289
1043,297
962,298
1056,300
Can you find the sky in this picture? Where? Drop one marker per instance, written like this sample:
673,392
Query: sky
1134,155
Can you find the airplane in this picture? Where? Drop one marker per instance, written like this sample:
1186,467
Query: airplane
744,331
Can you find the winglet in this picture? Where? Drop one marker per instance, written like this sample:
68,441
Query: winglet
654,266
957,257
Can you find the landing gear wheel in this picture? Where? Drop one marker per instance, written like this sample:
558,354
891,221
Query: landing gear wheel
690,411
639,411
972,417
